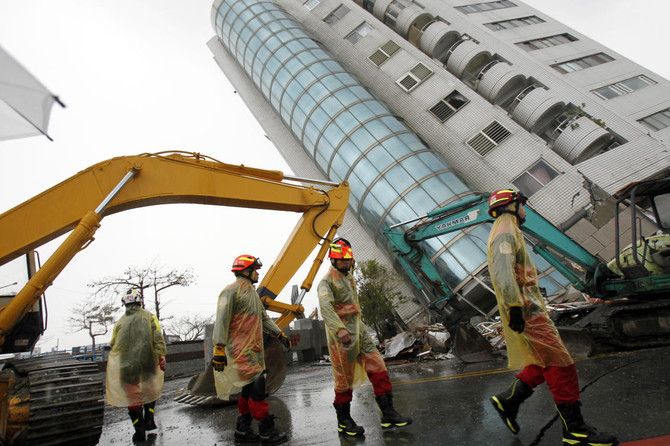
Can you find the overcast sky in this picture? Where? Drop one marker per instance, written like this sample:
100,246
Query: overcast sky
137,77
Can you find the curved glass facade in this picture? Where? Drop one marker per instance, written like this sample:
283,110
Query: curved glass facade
394,176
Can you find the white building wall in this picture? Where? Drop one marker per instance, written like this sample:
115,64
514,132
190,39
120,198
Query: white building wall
642,157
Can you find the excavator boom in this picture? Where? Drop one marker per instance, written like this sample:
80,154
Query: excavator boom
79,203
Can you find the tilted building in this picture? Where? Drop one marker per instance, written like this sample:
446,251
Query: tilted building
418,104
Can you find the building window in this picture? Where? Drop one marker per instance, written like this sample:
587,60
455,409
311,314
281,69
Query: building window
487,6
489,138
513,23
311,4
446,108
360,32
624,87
336,15
546,42
584,62
658,120
392,12
414,77
369,5
384,53
535,177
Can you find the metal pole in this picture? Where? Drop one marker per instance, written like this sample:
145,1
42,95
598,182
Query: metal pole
103,205
309,180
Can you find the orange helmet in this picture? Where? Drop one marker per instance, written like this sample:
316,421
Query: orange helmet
246,261
502,198
340,249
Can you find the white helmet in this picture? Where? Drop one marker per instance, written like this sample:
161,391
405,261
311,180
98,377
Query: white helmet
132,296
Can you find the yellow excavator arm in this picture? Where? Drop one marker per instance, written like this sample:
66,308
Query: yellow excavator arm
79,203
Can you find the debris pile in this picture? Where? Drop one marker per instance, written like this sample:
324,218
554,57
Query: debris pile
423,343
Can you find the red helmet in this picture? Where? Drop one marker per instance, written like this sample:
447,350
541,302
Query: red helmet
340,249
502,198
246,261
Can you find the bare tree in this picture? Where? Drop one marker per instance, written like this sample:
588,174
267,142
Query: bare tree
94,314
156,278
191,326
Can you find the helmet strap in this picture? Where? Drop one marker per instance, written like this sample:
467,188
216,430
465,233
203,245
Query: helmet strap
247,275
343,271
515,212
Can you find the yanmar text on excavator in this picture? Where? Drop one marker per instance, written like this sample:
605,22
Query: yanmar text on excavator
54,400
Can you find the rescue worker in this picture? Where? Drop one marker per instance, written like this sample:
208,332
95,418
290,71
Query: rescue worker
532,339
239,360
136,364
352,351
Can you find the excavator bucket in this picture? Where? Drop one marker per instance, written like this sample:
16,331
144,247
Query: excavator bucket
469,345
201,390
578,341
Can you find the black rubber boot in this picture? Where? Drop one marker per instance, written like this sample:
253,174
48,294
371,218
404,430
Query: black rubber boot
507,403
149,423
345,424
244,433
138,424
577,433
390,417
269,433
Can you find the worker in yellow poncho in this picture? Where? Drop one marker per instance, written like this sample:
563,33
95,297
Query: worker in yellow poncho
136,364
352,350
239,360
532,339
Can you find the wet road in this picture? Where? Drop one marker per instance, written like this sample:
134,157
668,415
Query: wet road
624,393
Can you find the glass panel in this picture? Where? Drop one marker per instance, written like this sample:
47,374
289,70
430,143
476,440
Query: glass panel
416,167
539,261
549,285
349,152
542,172
363,140
480,235
366,172
527,184
401,212
338,168
607,92
384,193
420,201
439,191
450,270
560,278
399,178
468,253
371,212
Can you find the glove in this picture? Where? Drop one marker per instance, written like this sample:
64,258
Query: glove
285,341
219,361
516,322
161,362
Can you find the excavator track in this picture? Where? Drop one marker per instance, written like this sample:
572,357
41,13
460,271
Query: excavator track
54,400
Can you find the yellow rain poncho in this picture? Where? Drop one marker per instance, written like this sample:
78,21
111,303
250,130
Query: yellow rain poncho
340,308
515,283
240,320
133,374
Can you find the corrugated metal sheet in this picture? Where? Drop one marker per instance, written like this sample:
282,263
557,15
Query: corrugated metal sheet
634,161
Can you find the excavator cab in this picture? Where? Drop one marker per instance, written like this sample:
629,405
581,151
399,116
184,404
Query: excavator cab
28,331
651,255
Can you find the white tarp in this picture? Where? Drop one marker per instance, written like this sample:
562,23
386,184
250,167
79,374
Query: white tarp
25,104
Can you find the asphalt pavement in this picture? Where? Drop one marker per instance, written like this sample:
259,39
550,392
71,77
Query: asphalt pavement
624,393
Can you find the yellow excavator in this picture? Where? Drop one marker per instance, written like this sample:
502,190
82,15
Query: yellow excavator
55,399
